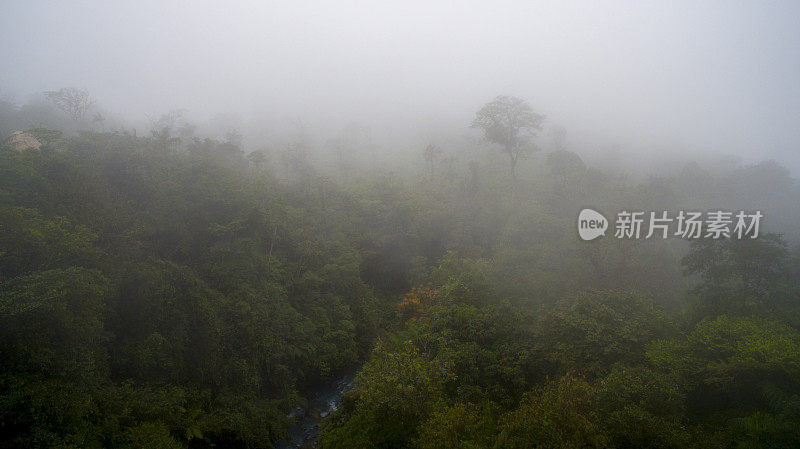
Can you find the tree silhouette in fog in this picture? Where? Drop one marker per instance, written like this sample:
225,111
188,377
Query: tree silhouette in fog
511,123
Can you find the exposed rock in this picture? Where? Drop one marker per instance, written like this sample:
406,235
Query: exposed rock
21,141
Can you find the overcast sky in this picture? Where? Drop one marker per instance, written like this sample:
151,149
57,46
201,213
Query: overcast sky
722,77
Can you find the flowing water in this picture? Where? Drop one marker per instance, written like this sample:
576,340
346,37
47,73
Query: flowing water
323,401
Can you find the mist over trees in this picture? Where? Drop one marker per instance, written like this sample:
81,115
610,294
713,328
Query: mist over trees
177,290
76,103
358,225
511,123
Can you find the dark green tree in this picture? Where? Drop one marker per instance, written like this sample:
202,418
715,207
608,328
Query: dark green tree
511,123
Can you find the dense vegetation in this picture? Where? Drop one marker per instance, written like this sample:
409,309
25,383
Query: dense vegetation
147,295
159,292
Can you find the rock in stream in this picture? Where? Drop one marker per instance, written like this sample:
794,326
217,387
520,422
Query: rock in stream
323,401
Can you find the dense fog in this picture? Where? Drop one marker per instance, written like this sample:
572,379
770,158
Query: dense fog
638,81
399,225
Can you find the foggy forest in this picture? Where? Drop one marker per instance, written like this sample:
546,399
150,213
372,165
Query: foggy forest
422,225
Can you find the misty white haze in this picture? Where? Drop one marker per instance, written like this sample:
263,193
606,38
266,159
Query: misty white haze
653,79
399,224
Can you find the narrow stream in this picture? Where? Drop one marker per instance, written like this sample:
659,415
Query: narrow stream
321,402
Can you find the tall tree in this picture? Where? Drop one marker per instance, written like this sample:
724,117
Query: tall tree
742,277
258,158
74,102
510,122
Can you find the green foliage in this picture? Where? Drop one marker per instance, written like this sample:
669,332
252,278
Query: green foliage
728,363
54,321
558,414
461,279
397,389
31,242
595,330
124,264
764,430
743,277
511,123
461,426
150,435
168,292
641,407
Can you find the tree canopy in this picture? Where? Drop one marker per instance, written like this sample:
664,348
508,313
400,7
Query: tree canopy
511,123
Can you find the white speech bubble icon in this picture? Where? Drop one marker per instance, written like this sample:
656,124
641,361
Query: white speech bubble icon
591,224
